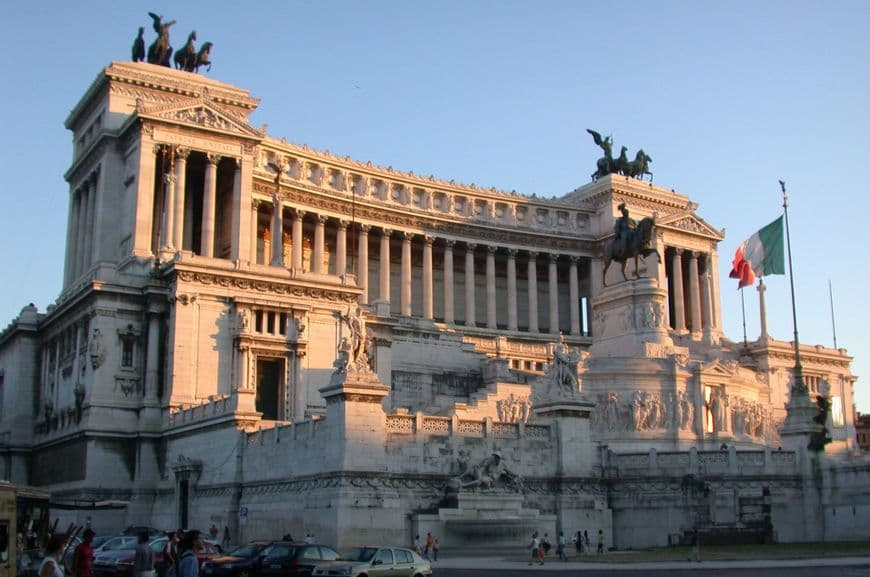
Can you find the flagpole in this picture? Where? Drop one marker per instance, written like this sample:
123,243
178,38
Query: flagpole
833,322
799,388
743,309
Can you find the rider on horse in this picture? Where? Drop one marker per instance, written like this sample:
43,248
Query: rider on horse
622,228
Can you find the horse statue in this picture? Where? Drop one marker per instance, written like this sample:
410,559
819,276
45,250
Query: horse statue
202,57
638,167
185,59
160,51
634,244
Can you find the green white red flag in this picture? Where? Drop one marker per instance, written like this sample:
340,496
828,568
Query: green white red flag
760,255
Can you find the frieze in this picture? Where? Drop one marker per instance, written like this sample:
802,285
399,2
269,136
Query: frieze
265,286
233,149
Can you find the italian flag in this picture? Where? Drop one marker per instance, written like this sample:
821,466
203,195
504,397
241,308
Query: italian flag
760,255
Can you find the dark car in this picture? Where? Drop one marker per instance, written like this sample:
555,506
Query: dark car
286,559
136,530
242,561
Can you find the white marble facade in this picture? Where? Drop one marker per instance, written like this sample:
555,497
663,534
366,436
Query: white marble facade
187,364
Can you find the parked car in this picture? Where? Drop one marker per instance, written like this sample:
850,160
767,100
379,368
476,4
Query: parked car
372,561
289,559
136,530
242,561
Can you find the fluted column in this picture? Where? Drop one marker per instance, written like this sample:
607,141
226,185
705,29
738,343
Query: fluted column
71,229
469,285
405,273
677,291
706,308
152,358
362,275
169,211
277,231
296,240
255,222
448,282
512,289
533,292
341,248
574,296
181,155
428,311
553,289
490,288
82,243
319,239
384,266
694,293
206,241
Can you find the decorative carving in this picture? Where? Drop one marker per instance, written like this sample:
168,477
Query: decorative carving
514,409
491,474
96,349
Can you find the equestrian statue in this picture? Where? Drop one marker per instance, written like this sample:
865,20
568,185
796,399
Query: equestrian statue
160,51
636,168
630,240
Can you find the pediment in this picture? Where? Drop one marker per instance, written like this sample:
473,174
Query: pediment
201,113
690,222
719,368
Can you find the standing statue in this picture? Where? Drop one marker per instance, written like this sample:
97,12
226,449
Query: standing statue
160,51
138,50
631,240
565,372
358,340
185,59
636,168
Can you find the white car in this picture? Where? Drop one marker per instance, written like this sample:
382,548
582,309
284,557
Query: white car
375,561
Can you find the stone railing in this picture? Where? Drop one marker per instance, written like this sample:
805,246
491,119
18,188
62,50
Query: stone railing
189,414
322,171
694,462
424,425
280,432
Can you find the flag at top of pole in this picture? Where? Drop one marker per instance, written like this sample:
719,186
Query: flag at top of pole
760,255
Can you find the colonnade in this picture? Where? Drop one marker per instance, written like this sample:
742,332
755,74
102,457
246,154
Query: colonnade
417,273
690,280
81,245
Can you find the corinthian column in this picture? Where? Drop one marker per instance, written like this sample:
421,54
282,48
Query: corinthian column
181,155
405,273
694,293
469,285
512,289
574,296
319,239
384,278
677,291
553,288
428,312
169,211
362,276
490,288
448,281
341,248
296,240
206,240
533,292
277,231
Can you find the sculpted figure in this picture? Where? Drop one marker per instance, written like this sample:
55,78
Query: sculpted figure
160,51
138,50
96,350
491,472
358,338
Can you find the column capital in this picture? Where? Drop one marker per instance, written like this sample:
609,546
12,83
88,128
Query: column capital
365,228
533,255
213,157
428,239
449,243
470,246
386,232
407,236
182,152
678,251
554,256
322,218
491,249
300,214
255,203
573,259
157,148
512,252
693,254
343,224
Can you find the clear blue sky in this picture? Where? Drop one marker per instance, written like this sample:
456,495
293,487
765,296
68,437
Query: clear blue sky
726,97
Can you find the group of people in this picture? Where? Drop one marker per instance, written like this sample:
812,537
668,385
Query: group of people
540,546
430,547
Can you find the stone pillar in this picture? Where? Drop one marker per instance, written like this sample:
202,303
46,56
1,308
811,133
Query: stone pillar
512,289
152,357
677,291
384,266
553,287
405,273
143,223
341,248
574,295
762,309
490,288
96,217
72,233
533,292
181,155
469,285
255,222
168,212
277,231
428,312
84,230
362,277
319,240
694,293
296,240
206,242
448,281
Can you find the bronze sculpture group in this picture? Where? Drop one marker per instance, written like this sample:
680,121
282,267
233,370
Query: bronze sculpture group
637,168
160,51
631,240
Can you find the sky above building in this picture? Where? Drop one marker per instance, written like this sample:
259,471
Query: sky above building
727,98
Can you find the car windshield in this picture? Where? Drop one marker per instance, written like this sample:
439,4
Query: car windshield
245,551
361,554
97,541
117,543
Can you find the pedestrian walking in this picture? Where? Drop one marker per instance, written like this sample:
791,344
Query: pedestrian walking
143,560
600,541
188,564
428,546
226,540
51,565
535,546
83,556
560,546
435,548
586,541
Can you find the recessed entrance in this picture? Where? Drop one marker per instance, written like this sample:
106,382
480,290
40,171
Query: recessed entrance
270,388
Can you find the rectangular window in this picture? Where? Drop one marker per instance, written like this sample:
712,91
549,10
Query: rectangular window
127,353
837,411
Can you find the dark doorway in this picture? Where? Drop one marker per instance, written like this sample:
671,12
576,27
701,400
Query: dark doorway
183,502
270,385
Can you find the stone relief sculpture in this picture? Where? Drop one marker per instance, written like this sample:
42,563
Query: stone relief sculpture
491,474
96,349
514,409
643,411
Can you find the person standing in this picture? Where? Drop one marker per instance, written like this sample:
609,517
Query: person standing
560,546
170,554
51,565
534,546
586,541
435,549
428,546
213,531
143,561
418,547
600,542
226,540
83,556
188,564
